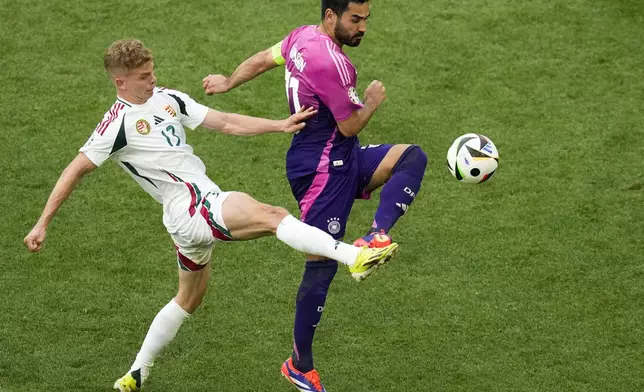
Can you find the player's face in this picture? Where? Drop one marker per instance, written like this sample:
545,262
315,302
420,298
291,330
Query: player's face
139,84
350,28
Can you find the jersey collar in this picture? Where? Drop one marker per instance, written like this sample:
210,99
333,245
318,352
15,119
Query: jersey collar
130,104
123,101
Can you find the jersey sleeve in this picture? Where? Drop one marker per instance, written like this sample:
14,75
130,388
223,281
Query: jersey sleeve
190,113
108,137
333,82
284,46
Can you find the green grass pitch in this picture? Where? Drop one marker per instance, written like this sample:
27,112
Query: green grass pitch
530,282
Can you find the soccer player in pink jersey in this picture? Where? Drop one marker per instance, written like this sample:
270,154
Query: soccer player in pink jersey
325,165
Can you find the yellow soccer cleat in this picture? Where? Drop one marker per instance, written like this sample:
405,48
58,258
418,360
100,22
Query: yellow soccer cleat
131,382
371,258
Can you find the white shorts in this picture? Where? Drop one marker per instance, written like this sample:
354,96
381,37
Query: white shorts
196,239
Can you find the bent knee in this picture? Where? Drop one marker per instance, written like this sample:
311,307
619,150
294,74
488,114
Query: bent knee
280,212
417,155
272,216
414,159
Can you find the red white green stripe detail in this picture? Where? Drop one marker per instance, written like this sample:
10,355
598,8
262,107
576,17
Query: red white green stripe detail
186,264
195,192
218,231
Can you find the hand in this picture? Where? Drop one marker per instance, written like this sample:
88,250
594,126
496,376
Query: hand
375,94
215,84
295,123
35,238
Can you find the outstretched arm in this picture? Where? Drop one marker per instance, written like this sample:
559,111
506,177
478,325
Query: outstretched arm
68,180
240,125
249,69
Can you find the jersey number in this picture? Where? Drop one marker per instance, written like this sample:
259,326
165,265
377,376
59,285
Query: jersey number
292,84
170,129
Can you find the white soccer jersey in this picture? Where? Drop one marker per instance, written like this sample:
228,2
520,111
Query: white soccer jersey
149,142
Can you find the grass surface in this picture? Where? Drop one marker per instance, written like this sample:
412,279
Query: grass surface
531,282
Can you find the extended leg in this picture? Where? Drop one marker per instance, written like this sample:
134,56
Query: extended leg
166,324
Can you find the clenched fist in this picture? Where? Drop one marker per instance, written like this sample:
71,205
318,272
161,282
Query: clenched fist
375,93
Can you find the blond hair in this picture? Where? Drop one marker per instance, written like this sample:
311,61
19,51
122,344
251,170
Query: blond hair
125,55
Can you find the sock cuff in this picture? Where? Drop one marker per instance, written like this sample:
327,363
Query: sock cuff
320,263
288,220
178,308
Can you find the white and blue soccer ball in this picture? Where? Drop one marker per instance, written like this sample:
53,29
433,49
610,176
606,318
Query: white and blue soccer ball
472,158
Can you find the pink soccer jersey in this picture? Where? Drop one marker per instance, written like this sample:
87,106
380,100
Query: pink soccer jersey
319,74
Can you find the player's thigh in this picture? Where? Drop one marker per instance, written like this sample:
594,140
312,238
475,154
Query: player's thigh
237,216
380,164
326,199
246,218
325,202
194,242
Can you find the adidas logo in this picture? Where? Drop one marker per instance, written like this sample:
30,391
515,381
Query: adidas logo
403,207
158,120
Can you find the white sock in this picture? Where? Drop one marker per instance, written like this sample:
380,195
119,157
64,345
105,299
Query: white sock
308,239
163,329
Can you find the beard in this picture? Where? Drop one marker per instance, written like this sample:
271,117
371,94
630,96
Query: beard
342,35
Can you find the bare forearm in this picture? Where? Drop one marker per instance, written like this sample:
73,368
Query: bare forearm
64,187
365,115
374,96
68,180
249,69
356,123
240,125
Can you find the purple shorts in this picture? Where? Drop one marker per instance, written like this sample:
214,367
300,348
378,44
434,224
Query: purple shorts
326,199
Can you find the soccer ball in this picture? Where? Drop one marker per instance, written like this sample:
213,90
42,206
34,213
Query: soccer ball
472,158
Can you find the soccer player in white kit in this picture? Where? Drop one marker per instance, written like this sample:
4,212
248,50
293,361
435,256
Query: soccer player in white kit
144,133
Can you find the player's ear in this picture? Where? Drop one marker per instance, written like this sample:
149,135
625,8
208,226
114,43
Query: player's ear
119,82
330,16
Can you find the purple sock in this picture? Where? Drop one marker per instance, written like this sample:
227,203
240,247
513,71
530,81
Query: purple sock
311,297
401,189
